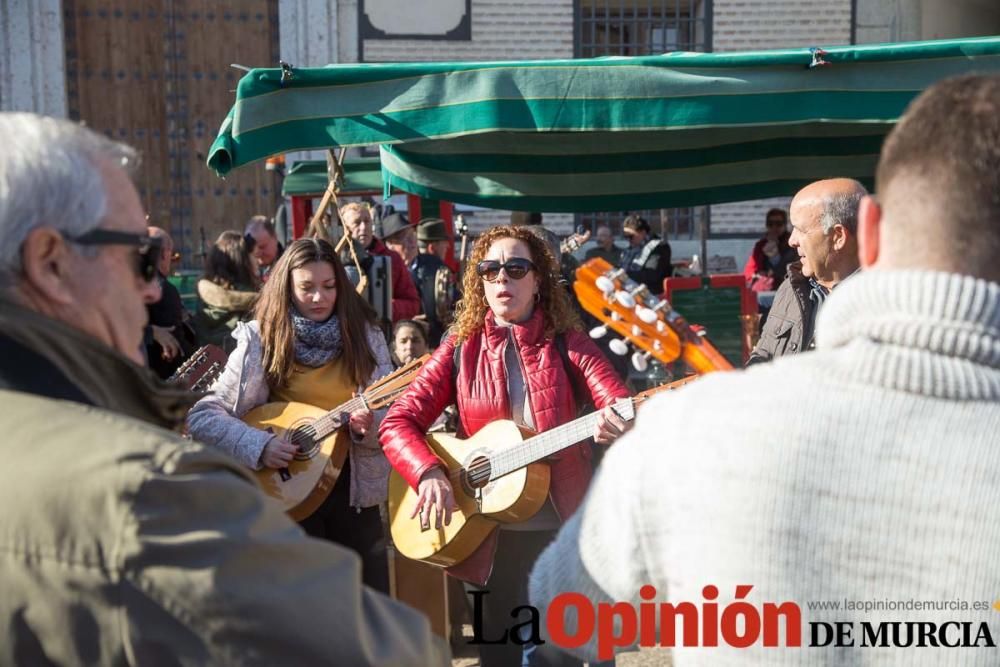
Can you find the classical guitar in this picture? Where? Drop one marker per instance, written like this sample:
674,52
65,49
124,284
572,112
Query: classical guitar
647,322
323,444
201,369
497,477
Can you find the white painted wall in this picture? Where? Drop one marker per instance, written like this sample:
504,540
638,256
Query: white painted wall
308,32
32,57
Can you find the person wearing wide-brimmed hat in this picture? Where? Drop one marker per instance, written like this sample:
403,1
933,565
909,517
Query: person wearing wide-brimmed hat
433,240
399,236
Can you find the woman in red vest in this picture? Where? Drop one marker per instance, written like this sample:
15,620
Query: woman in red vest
509,367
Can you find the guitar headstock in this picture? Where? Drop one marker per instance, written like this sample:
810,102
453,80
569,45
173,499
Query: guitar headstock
386,390
642,319
201,369
625,307
574,241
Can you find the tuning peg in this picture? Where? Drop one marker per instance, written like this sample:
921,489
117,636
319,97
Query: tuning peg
640,361
647,315
625,299
605,284
599,332
636,331
629,298
619,347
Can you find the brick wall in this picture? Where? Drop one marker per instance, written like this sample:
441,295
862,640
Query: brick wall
501,30
750,25
741,25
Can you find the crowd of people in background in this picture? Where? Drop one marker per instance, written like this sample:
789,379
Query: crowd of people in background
122,541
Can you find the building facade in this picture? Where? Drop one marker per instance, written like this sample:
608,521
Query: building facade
158,74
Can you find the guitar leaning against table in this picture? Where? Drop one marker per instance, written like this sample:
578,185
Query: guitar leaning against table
497,477
323,444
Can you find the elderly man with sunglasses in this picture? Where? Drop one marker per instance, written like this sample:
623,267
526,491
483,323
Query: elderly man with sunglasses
121,542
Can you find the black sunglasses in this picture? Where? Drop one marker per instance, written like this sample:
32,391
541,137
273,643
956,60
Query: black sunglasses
148,246
516,268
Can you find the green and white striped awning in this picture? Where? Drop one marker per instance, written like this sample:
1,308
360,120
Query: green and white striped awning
605,134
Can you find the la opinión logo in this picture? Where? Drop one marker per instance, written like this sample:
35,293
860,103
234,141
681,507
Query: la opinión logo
620,624
738,624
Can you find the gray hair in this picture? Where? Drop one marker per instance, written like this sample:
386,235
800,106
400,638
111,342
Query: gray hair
258,222
49,177
842,209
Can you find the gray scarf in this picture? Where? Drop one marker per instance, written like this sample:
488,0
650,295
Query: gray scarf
316,343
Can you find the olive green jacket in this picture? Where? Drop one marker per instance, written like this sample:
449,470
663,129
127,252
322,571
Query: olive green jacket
122,543
219,311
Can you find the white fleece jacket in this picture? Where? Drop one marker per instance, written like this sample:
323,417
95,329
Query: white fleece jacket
868,470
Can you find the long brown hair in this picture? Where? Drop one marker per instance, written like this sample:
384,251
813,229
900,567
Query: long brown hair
557,309
229,264
274,313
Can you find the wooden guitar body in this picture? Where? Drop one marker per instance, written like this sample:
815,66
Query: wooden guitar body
513,498
307,481
322,439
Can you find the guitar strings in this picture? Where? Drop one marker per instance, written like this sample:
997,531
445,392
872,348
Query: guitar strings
325,424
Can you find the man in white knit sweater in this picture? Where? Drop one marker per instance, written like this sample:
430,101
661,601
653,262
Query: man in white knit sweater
875,508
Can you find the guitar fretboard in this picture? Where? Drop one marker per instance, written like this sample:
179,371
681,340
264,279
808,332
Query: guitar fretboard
334,419
538,447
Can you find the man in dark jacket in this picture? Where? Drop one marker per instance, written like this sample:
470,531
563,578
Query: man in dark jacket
152,548
647,259
824,233
266,246
431,275
171,338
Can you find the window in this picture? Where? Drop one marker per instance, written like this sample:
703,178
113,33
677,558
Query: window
641,28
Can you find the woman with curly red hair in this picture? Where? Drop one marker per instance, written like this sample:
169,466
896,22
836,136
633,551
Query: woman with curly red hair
510,366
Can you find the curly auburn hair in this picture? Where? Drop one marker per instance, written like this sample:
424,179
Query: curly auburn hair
554,302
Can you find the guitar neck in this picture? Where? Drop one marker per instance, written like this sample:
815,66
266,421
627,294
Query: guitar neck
334,419
544,444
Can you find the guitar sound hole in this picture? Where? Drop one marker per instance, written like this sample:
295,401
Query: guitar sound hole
304,437
476,475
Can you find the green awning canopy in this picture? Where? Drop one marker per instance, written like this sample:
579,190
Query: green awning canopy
604,134
308,177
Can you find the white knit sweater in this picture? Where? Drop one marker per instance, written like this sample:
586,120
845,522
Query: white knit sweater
868,470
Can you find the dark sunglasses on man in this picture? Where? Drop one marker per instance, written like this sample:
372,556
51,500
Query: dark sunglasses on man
148,247
516,268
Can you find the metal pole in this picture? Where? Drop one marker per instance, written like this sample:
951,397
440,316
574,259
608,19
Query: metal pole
703,233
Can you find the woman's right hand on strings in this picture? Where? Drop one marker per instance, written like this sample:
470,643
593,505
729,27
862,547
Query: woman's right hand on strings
278,453
434,495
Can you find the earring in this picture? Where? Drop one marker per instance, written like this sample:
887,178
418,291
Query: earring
486,303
